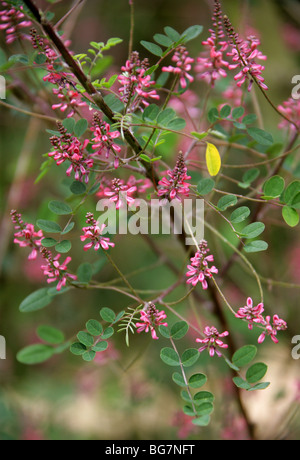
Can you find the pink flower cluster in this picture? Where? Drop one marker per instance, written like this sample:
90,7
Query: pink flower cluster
120,193
70,99
199,270
150,320
183,66
175,187
94,233
136,86
291,109
212,341
104,139
12,21
253,315
244,54
211,64
56,271
26,236
69,148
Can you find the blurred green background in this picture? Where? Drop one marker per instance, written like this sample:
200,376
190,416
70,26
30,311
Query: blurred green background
129,393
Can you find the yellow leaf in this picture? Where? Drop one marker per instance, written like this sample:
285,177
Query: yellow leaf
213,159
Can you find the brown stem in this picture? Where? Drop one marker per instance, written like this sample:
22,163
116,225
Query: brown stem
87,85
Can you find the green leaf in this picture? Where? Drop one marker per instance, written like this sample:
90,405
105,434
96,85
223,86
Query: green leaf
63,247
172,33
260,386
256,246
48,242
68,228
244,355
84,273
197,380
199,136
191,33
85,338
250,176
69,124
205,186
178,379
260,136
203,397
205,409
108,332
291,216
166,116
238,112
170,357
151,112
107,315
164,331
253,230
94,327
89,356
152,48
201,421
163,40
273,187
81,127
226,202
179,330
190,357
240,214
241,383
213,115
48,226
256,372
249,119
177,124
77,348
100,346
35,354
59,208
78,188
291,192
36,301
225,111
50,335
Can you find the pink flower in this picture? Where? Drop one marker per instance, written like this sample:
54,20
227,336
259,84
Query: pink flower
93,232
70,100
136,86
212,341
26,236
150,319
119,193
291,109
244,54
56,271
272,329
183,66
104,138
13,21
175,186
69,148
199,270
251,314
233,95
